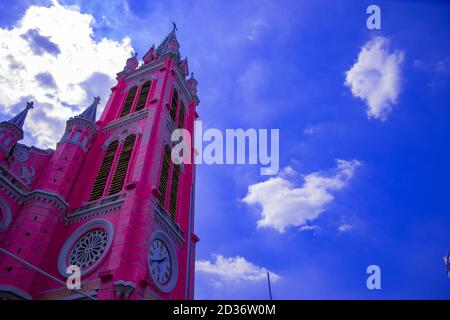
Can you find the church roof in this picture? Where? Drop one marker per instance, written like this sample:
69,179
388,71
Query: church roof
91,112
162,48
19,119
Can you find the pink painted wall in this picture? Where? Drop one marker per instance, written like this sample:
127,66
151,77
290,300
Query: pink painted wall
69,173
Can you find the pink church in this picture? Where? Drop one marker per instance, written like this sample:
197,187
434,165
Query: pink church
108,199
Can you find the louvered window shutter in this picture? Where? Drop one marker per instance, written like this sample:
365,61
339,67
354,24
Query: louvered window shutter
164,175
122,165
143,96
128,102
174,192
174,104
103,173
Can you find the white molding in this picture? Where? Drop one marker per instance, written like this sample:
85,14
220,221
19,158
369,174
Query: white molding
65,250
160,235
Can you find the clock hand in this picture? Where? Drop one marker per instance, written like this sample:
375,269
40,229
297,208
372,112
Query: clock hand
159,260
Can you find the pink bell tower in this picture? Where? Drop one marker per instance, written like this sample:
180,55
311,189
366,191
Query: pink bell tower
108,199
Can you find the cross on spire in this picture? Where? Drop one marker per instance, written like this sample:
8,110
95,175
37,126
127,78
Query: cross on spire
97,100
91,111
174,26
19,119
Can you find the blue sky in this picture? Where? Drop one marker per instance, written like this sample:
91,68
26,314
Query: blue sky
283,64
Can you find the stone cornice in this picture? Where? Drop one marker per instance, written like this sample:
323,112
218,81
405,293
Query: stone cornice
90,210
24,196
126,121
143,70
12,185
46,196
10,189
92,126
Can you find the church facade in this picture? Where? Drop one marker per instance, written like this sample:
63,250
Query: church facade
108,199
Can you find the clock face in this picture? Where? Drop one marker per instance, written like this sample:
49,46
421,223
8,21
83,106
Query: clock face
160,262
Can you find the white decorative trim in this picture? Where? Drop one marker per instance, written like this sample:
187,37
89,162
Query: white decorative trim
167,224
46,196
77,120
11,190
138,82
65,250
105,205
159,235
127,120
143,70
122,135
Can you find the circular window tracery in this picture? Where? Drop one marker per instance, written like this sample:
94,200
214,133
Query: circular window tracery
21,153
89,248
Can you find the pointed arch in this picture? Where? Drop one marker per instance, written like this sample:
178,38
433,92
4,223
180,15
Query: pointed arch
143,95
181,114
174,105
173,202
122,165
128,102
164,175
103,173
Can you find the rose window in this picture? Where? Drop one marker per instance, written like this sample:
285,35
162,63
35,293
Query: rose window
89,248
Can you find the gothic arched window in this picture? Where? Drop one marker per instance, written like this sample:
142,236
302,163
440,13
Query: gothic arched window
143,96
164,175
128,102
174,105
181,115
76,136
103,173
170,173
122,165
174,191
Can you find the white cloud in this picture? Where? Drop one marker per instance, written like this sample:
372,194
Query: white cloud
309,228
345,227
255,28
233,269
376,78
284,205
50,56
443,66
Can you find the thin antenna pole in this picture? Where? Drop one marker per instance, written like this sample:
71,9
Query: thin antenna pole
29,265
270,288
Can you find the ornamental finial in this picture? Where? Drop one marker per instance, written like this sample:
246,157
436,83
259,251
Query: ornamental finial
174,26
30,105
97,100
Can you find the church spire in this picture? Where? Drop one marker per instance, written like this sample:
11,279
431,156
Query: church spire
11,131
91,112
170,44
19,119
